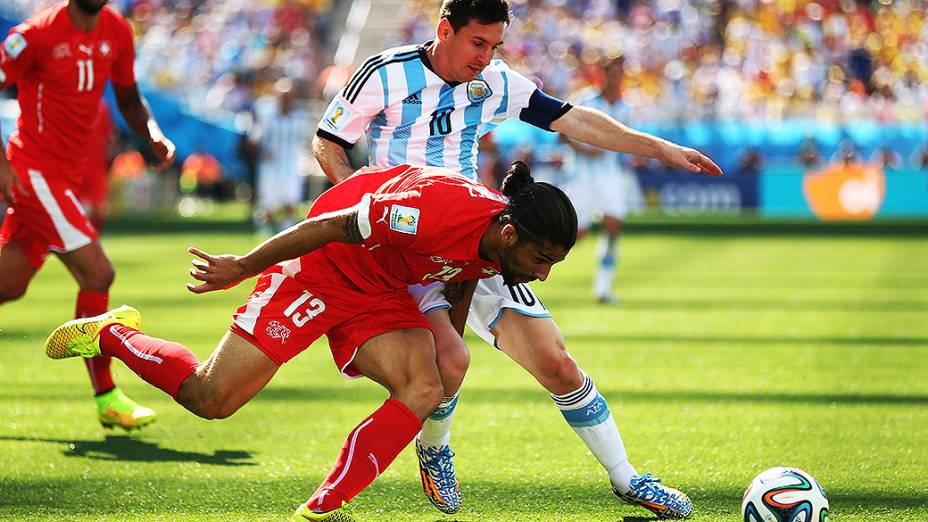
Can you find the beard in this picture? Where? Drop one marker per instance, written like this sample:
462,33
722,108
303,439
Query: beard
90,7
510,276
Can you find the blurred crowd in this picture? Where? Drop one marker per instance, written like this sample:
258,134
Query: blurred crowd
731,60
219,56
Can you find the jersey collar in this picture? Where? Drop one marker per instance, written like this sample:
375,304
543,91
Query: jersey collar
424,56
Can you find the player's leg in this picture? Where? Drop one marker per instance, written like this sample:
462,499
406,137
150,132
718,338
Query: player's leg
610,199
233,374
266,198
15,271
214,389
94,275
607,259
403,361
537,345
453,359
433,444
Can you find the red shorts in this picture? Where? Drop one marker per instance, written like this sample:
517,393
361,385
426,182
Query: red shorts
94,189
284,315
48,217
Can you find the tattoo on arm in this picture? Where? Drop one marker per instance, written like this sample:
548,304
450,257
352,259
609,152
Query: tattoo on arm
454,292
351,232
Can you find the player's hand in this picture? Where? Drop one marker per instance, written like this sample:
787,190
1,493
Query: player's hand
9,183
688,159
164,151
215,272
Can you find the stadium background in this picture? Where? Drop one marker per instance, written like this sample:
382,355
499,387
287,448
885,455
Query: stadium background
748,335
776,91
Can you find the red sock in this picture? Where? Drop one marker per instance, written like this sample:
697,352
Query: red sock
88,305
161,363
370,448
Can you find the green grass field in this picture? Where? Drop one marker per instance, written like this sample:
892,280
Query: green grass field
729,353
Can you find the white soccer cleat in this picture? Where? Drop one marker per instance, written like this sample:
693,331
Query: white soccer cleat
438,481
664,501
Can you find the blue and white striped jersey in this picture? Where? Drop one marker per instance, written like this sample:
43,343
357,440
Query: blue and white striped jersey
411,115
583,166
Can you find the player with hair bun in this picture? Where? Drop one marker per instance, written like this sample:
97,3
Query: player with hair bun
429,104
344,273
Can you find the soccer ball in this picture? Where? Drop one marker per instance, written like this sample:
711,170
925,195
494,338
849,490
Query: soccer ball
784,495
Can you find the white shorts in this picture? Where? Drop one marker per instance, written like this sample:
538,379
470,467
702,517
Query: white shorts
610,193
278,189
491,298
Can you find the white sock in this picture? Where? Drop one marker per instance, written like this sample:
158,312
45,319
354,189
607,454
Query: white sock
588,414
436,430
608,259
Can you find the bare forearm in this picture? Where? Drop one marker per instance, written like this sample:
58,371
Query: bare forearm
459,296
138,117
333,159
300,240
596,128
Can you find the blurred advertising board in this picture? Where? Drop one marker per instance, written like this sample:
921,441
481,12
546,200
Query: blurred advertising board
845,192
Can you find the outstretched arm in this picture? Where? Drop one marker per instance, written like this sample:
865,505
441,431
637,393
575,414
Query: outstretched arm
225,271
138,116
596,128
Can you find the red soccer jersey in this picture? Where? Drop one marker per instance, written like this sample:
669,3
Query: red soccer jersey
61,72
421,225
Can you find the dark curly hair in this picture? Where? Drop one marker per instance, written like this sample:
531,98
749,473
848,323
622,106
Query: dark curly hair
540,211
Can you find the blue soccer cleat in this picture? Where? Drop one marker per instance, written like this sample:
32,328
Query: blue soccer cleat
647,491
438,481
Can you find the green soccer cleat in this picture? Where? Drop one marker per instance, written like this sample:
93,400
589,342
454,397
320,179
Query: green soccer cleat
114,408
81,337
342,514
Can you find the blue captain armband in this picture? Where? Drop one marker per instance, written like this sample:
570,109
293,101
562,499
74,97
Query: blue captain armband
543,109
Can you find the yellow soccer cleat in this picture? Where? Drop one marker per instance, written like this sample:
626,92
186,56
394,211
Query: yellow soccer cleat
81,337
342,514
114,408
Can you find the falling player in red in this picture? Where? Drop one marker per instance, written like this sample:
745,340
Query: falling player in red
343,273
60,61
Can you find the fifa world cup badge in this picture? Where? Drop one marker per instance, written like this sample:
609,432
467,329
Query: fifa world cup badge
335,117
404,219
478,90
14,45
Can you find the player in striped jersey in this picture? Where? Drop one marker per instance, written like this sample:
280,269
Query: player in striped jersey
429,104
281,136
599,182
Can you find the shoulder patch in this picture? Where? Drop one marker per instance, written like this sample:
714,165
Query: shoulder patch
404,219
14,45
336,117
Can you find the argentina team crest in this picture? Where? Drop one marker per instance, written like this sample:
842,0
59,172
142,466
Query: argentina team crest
404,219
478,90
